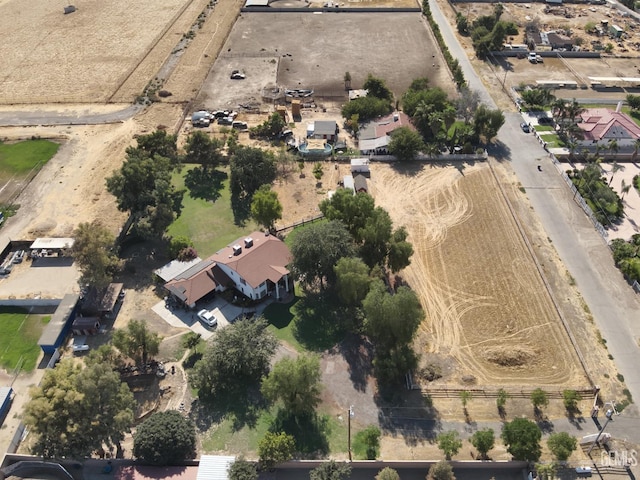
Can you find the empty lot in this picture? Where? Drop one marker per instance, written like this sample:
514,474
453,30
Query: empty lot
307,50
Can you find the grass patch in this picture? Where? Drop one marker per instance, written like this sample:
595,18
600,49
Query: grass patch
544,128
293,233
209,225
281,322
553,141
19,334
19,158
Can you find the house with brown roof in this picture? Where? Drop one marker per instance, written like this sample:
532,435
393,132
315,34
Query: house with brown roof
600,125
255,265
374,137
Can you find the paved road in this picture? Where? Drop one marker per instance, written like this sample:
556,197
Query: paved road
28,118
615,307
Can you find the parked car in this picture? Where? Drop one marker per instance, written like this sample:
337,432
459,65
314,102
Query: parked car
525,127
533,57
583,471
239,125
18,256
80,348
208,318
225,121
237,75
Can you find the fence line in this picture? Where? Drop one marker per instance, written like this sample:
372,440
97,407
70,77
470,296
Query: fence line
299,222
447,391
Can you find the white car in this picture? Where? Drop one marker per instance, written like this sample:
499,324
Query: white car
208,318
80,348
583,470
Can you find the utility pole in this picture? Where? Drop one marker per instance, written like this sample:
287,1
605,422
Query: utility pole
609,414
350,414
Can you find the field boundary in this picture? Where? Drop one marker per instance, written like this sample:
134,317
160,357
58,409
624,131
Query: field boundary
543,277
494,391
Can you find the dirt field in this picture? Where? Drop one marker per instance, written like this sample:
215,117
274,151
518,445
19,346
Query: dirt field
83,56
269,51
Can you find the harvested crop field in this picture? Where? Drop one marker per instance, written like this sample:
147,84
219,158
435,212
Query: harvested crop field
487,307
83,56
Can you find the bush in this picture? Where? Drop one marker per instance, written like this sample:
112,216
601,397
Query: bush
165,438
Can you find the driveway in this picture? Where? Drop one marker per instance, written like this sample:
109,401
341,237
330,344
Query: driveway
224,311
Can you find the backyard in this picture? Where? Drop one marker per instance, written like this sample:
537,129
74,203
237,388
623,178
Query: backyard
19,334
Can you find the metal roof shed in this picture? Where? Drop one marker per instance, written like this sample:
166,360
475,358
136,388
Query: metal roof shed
174,268
256,3
52,243
214,467
58,327
5,402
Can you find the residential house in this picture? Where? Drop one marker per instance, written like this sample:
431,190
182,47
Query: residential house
325,130
255,265
600,125
375,136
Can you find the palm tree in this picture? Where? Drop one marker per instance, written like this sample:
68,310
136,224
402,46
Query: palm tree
615,168
612,146
574,109
347,81
625,189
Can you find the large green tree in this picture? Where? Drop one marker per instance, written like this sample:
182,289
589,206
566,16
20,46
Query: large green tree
316,249
275,448
265,207
237,357
522,438
165,438
331,470
250,169
377,88
487,122
75,411
352,280
202,149
562,445
93,252
405,144
391,320
159,143
296,383
143,188
137,341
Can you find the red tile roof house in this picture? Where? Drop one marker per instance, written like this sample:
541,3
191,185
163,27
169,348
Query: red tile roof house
374,137
255,265
600,125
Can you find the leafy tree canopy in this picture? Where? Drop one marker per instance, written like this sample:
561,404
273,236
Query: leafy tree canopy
203,150
391,320
137,341
165,438
237,357
376,87
434,98
449,443
331,470
405,144
275,448
522,438
270,128
316,249
93,252
265,207
366,108
562,445
487,122
441,471
483,440
296,382
352,280
250,169
177,244
387,473
159,143
75,411
243,469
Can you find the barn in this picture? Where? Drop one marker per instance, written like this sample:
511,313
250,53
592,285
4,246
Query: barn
6,396
58,328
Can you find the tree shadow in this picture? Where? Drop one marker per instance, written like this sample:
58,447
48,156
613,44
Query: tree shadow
408,168
409,415
140,257
544,424
241,208
310,431
321,321
205,184
499,151
358,353
243,405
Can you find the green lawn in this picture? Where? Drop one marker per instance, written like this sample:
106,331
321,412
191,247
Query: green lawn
328,433
209,224
553,141
281,322
19,334
544,128
19,158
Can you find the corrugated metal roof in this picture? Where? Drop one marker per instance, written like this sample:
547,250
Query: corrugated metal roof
55,243
5,399
55,327
214,467
174,268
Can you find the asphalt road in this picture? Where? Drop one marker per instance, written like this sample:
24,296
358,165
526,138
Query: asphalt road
614,305
28,118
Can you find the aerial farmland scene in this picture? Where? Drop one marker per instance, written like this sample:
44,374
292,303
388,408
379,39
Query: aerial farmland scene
319,239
